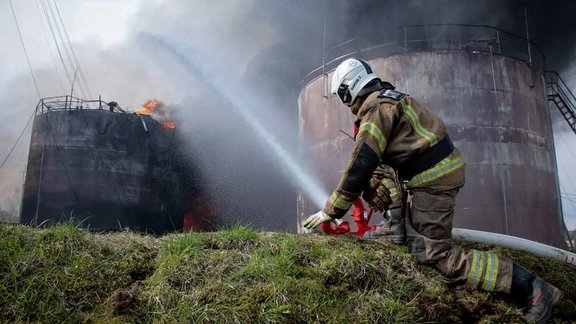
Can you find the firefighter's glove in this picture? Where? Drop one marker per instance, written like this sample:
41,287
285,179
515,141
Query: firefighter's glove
316,219
382,194
371,191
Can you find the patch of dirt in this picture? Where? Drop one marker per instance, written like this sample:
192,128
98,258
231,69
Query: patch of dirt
122,300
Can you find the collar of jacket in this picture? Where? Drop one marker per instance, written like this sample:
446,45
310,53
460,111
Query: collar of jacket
370,88
355,107
364,104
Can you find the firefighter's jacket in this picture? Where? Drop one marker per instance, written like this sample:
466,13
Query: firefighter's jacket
393,128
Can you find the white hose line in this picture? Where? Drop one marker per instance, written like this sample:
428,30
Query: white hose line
515,243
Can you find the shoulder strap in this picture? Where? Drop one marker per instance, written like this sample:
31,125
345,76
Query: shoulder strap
391,94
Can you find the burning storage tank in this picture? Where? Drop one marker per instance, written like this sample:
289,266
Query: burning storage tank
488,87
107,169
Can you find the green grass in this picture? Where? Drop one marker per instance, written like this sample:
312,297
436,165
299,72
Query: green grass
64,274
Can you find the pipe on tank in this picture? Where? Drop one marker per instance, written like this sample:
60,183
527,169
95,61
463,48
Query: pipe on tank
515,243
144,124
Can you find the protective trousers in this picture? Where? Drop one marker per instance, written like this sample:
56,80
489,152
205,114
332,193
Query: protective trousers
429,227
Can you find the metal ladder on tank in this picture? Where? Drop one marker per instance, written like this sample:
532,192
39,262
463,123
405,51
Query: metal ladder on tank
559,93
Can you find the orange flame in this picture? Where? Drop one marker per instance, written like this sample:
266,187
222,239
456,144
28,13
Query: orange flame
158,111
149,107
169,124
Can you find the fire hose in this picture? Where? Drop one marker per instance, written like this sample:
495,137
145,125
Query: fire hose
362,218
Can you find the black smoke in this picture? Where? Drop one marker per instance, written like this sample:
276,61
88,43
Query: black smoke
268,47
300,26
248,184
307,28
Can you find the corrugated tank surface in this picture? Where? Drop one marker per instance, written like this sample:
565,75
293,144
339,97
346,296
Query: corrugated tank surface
107,170
496,112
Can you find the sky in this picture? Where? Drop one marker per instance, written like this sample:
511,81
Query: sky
131,51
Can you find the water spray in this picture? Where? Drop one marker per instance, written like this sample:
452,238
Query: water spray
238,98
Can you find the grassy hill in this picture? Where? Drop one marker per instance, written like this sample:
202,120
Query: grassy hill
63,274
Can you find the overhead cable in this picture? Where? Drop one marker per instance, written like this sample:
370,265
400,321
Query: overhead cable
39,10
18,139
24,48
82,76
67,53
568,177
56,42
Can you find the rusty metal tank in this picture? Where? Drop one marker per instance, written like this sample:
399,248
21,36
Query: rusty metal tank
106,169
490,93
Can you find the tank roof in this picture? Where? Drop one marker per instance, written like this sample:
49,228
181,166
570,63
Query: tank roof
59,103
431,38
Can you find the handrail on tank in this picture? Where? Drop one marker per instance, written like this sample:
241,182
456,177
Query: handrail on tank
433,37
59,103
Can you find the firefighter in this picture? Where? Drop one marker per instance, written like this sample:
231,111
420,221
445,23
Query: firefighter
397,130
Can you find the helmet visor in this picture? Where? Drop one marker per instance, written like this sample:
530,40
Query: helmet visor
344,93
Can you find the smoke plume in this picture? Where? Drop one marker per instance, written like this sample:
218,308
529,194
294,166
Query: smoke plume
267,47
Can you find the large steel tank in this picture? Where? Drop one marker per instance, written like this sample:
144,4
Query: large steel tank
105,169
494,104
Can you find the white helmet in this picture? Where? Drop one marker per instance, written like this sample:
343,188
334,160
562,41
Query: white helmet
350,77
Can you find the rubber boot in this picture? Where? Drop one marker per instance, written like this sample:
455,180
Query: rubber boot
394,228
538,295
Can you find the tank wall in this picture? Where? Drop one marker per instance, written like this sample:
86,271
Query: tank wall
504,135
104,169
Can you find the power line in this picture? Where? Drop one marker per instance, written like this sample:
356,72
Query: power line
17,140
56,42
568,178
570,182
39,10
82,76
561,136
572,202
11,179
68,49
24,48
63,42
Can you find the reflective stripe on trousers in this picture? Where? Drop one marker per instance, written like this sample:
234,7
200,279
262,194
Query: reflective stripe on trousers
429,226
484,269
